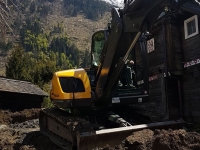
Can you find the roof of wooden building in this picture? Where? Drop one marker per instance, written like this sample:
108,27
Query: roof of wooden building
18,86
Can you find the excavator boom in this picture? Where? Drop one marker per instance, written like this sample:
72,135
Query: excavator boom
128,26
122,38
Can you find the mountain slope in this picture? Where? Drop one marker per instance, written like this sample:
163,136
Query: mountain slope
78,18
78,27
73,17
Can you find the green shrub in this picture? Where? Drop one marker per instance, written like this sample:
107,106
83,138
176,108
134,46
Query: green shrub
47,103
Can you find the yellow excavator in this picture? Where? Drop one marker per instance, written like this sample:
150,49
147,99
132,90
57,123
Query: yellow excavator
93,105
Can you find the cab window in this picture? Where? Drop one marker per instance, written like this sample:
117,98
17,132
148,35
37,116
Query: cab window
98,41
71,84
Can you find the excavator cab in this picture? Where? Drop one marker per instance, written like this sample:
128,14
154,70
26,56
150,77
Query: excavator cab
131,87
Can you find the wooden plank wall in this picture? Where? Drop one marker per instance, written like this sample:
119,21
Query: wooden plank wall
174,67
163,88
191,77
156,67
157,103
174,47
169,60
19,101
181,87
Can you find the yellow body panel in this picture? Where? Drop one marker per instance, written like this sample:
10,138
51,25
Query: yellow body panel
57,93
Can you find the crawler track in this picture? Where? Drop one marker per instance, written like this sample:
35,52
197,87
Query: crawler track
61,127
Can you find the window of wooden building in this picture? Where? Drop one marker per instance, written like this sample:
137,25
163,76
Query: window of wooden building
191,27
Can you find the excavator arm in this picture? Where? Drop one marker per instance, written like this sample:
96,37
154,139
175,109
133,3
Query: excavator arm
128,25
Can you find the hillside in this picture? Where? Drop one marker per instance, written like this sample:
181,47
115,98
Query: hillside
78,28
75,17
45,20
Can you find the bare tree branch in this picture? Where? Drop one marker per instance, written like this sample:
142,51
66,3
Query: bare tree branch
197,2
6,16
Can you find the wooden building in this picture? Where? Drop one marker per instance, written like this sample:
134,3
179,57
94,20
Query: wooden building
174,63
18,95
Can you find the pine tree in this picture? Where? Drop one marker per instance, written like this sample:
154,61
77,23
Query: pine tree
32,7
16,65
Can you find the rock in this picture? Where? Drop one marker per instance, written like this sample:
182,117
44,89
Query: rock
3,127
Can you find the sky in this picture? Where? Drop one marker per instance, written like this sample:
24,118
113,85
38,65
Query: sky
115,2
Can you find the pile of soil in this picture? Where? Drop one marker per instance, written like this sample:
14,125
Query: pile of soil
7,117
160,140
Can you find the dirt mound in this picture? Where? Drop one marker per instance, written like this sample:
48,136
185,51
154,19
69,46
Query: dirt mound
175,140
138,140
7,117
160,140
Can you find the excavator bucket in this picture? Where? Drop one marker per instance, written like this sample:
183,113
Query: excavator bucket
115,136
